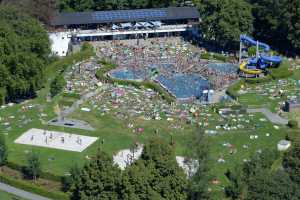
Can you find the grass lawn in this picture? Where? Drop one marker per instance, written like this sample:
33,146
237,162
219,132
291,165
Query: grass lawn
7,196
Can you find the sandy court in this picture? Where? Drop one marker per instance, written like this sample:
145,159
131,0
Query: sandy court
56,140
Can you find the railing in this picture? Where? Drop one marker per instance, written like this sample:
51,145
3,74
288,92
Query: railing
165,28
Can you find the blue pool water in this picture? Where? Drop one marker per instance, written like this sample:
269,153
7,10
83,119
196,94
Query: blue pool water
128,74
225,68
184,86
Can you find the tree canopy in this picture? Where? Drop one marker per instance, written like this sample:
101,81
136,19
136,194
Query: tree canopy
24,50
83,5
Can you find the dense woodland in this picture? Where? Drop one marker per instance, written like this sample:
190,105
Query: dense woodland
24,51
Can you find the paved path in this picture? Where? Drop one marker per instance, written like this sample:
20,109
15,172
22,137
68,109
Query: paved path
77,103
21,193
274,118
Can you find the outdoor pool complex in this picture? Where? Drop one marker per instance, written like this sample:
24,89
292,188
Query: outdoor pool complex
181,85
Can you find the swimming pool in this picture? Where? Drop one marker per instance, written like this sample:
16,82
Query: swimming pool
224,68
184,86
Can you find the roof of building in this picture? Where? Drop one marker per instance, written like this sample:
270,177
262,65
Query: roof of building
118,16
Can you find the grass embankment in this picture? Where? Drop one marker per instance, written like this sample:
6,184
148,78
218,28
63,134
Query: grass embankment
108,66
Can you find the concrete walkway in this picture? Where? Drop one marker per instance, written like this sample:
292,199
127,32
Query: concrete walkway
274,118
21,193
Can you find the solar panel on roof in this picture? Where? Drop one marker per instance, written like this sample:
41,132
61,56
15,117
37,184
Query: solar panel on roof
129,15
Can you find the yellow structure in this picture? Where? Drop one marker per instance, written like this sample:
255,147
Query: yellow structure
243,68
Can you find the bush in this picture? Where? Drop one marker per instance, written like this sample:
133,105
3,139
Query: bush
87,47
33,168
57,85
293,124
205,56
282,71
3,150
33,188
221,57
2,95
252,51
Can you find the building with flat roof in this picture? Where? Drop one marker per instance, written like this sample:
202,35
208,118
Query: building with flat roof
124,24
93,19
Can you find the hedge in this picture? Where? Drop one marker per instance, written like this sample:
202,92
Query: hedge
33,188
71,95
101,74
293,124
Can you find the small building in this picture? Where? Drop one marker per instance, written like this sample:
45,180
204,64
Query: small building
283,145
292,106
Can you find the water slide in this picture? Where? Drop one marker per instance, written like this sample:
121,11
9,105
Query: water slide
243,67
247,40
255,66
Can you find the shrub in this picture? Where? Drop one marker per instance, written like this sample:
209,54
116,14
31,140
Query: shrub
282,71
2,95
33,168
86,47
220,57
293,124
57,85
252,51
205,56
3,150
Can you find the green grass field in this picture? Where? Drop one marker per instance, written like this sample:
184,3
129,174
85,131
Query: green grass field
7,196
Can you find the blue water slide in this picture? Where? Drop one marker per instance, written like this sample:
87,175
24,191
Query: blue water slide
271,59
247,40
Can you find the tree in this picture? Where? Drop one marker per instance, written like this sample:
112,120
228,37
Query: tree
267,185
99,179
224,21
278,23
69,181
198,185
236,186
291,162
33,169
57,85
156,175
24,50
3,150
